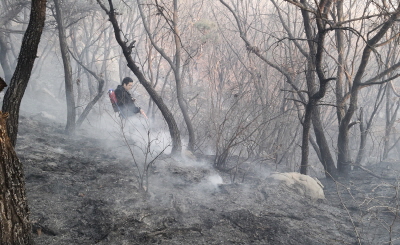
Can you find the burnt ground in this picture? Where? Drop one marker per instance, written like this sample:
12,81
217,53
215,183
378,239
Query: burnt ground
81,191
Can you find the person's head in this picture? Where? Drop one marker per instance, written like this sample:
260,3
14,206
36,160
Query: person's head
127,83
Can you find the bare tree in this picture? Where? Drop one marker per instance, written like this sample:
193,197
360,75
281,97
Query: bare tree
315,93
373,41
69,87
174,62
127,51
323,57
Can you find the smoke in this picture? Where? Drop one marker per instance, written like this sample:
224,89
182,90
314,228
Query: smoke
137,141
215,180
197,178
139,133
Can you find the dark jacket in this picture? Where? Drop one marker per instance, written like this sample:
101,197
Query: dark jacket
125,102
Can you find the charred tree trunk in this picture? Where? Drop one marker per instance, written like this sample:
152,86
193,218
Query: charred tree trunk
305,138
325,153
69,84
127,50
22,73
316,44
312,89
15,227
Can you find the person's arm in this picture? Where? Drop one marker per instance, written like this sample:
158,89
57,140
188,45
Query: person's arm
139,110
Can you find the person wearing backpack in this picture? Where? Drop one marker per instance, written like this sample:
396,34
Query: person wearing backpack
124,100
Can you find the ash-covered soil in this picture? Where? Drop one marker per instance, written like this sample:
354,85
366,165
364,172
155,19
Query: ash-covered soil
82,191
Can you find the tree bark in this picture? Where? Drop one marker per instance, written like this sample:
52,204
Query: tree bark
69,84
169,118
22,73
305,137
311,104
15,227
177,71
326,156
340,108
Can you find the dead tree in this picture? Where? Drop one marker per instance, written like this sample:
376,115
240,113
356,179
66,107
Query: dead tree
175,64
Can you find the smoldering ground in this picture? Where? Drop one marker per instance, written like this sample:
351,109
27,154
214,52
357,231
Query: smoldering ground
85,190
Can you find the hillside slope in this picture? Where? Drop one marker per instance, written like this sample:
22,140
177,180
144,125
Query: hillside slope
81,191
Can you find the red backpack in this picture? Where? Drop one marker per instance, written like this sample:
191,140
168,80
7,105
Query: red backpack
113,100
